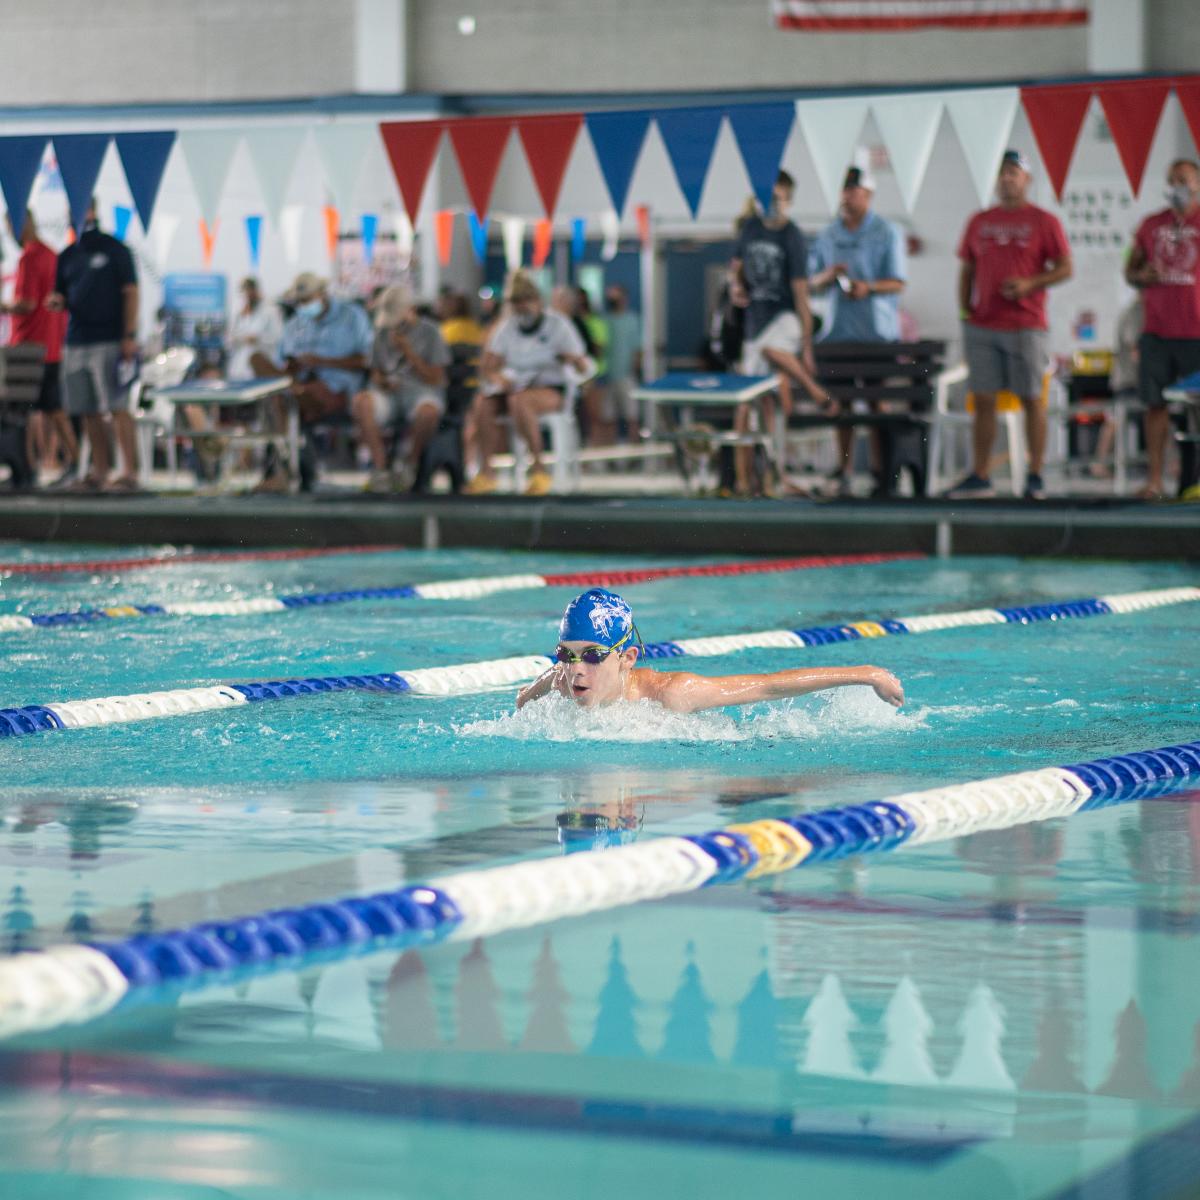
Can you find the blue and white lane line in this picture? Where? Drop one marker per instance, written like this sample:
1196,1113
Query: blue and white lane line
75,983
471,678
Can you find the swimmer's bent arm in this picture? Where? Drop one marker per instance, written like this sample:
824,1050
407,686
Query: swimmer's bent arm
684,692
540,687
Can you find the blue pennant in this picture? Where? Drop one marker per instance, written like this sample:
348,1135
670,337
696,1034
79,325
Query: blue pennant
254,238
762,131
370,229
690,134
79,157
479,235
122,216
20,158
617,138
144,157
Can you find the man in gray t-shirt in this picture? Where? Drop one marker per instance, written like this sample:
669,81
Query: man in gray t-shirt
407,383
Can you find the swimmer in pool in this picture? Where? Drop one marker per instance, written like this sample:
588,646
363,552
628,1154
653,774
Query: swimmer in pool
598,646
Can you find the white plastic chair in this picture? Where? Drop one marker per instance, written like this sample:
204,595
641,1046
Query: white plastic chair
563,430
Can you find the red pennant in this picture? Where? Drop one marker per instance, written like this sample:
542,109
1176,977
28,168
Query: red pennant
479,144
548,143
1188,91
642,212
1056,117
443,230
1132,108
411,146
333,225
208,239
543,241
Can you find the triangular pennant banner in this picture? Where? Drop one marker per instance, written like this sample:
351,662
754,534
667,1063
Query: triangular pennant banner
543,241
578,238
411,148
165,228
513,230
208,153
548,142
617,138
370,229
79,157
443,232
909,124
291,217
831,130
1056,117
254,239
404,237
983,119
642,212
479,144
689,135
610,229
20,158
208,239
1133,108
273,152
343,148
761,132
479,236
122,219
333,227
1188,92
144,159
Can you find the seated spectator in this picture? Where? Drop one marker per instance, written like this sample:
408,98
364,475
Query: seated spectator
325,349
407,383
255,329
459,327
523,372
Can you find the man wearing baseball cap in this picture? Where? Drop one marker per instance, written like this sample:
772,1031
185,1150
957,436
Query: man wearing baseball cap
1010,255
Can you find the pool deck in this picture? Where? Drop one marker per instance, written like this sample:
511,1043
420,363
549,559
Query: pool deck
1103,528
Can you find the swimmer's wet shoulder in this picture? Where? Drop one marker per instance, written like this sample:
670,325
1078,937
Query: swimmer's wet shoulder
598,648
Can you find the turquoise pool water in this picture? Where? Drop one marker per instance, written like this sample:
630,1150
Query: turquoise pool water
1011,1014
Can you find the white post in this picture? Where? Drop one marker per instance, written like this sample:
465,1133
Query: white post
381,46
648,274
1117,36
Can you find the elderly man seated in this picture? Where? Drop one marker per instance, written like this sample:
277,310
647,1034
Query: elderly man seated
325,349
407,383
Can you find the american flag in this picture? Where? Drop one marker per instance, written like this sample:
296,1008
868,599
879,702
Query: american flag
850,15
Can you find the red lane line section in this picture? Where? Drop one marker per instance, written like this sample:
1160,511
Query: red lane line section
754,567
181,560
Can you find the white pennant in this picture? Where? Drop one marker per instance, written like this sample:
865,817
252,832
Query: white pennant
831,130
343,149
290,218
513,229
909,125
208,153
983,120
610,230
273,151
404,237
165,225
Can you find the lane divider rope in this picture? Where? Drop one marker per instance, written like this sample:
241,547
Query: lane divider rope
451,589
99,565
74,983
463,679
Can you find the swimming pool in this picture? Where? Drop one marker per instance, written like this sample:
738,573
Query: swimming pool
1011,1013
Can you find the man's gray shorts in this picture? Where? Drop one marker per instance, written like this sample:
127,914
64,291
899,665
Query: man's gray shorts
89,380
1005,360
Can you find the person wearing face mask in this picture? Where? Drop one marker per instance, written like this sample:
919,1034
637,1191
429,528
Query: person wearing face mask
523,371
325,348
769,280
1010,255
861,256
1164,264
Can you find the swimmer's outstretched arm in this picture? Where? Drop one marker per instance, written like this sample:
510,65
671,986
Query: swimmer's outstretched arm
683,692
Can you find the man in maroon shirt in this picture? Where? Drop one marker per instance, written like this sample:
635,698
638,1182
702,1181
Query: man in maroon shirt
33,323
1010,255
1165,264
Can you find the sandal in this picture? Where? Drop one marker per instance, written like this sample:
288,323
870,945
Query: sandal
87,486
122,486
1149,493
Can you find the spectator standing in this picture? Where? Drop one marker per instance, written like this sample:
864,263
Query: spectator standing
1010,255
862,256
407,384
325,348
1165,265
614,395
256,328
96,284
34,323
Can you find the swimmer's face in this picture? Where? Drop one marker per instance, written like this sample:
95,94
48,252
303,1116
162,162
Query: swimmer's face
593,684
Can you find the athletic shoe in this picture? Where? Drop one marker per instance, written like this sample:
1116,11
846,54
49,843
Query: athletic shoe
1035,488
973,487
481,485
538,484
380,483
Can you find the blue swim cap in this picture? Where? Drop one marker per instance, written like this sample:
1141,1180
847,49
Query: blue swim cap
599,616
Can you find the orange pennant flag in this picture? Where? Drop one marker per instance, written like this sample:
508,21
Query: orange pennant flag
333,225
543,241
643,223
443,228
208,239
